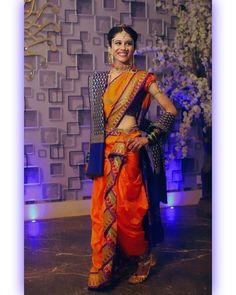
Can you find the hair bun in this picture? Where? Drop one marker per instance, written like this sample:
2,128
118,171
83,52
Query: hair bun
123,26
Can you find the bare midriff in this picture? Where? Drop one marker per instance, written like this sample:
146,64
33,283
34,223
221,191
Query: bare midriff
127,123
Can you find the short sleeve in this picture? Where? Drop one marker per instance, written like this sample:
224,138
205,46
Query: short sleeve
150,79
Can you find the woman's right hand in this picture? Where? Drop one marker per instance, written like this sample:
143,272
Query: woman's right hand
135,144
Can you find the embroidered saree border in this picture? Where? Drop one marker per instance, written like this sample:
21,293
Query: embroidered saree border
97,84
117,100
127,97
116,157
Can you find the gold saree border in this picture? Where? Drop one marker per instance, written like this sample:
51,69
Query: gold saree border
126,98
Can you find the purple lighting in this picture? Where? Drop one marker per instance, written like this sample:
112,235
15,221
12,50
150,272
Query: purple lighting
170,214
33,228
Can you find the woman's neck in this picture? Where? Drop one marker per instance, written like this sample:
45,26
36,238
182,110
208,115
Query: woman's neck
120,67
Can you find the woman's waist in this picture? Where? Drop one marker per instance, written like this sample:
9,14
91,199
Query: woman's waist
118,136
109,131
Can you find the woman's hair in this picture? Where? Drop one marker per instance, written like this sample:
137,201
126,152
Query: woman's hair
113,31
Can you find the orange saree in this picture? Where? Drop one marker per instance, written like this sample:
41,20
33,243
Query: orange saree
119,201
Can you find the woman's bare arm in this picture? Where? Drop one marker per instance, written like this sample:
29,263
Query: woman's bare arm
162,99
136,143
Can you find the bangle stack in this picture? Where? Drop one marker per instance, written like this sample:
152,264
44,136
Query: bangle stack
159,130
153,136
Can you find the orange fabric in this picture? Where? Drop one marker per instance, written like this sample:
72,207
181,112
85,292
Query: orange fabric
132,205
151,78
114,90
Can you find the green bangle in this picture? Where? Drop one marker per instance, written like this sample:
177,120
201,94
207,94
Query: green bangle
154,136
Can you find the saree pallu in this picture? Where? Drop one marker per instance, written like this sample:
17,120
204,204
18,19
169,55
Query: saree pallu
125,208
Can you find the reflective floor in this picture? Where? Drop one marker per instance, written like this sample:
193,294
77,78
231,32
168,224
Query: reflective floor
57,257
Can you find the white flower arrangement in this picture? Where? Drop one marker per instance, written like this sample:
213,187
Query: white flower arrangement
178,68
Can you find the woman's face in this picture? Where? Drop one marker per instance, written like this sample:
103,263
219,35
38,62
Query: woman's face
122,47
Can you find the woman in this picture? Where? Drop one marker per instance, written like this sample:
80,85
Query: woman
125,162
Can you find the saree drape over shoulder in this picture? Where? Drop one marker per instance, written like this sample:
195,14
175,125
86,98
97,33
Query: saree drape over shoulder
125,202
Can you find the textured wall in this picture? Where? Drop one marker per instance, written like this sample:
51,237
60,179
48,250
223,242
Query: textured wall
57,115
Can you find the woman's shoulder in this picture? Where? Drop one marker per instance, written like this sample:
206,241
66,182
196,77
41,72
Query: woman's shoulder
98,73
98,77
149,78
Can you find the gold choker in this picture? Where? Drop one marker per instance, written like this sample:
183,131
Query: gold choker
122,68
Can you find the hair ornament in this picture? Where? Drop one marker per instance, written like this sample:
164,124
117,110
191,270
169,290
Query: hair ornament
123,26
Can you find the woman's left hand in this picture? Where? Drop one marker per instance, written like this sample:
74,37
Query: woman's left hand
135,144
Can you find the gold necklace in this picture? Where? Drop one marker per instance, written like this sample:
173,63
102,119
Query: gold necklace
119,70
122,68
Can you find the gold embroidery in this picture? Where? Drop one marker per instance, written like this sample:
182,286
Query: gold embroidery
126,99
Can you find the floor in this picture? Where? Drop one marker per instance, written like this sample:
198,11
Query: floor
57,257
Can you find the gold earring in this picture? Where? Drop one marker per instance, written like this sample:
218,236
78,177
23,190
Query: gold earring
133,60
110,58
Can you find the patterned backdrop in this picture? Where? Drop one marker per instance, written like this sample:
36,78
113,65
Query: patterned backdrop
57,114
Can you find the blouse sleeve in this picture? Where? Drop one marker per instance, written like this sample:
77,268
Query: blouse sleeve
151,78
